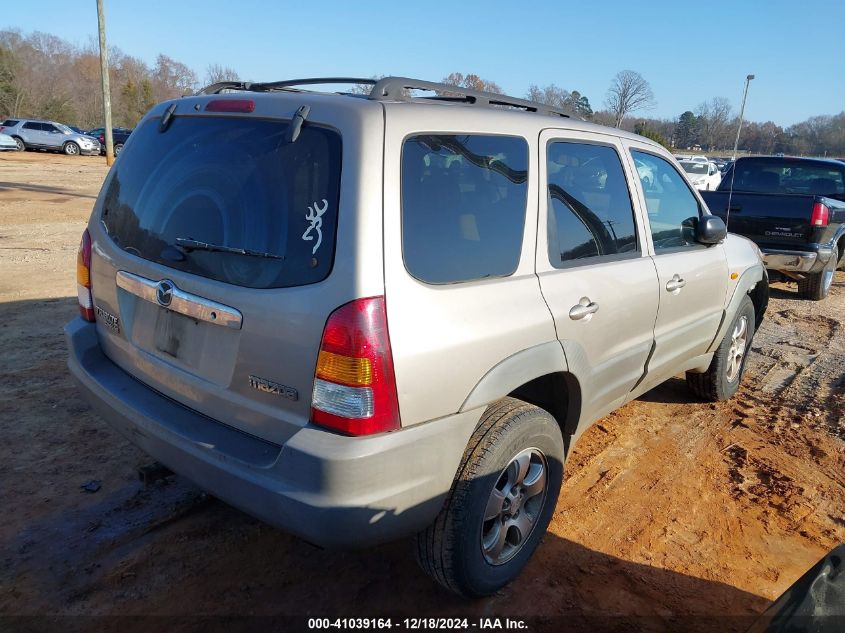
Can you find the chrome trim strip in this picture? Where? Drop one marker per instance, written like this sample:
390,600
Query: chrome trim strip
190,305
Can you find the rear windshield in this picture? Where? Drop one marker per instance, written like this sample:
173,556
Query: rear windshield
9,122
206,184
804,177
695,168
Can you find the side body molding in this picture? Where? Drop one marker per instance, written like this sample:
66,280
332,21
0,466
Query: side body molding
516,370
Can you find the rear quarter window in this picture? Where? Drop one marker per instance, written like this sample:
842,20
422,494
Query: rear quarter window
234,182
463,205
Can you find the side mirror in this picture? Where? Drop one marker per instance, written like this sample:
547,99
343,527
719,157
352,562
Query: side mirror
710,230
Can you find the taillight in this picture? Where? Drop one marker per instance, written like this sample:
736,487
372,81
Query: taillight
354,386
230,105
821,215
83,278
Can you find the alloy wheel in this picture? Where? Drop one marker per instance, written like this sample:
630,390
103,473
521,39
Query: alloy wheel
514,506
739,342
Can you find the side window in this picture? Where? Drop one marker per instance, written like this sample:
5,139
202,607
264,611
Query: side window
590,211
673,210
463,206
49,127
32,126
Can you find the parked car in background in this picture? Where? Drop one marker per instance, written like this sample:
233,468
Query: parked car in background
49,135
699,159
119,136
7,143
703,176
272,304
794,209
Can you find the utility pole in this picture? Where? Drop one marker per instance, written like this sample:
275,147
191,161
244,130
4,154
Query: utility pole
742,113
104,71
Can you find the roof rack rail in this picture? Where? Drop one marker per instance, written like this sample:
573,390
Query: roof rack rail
396,89
281,85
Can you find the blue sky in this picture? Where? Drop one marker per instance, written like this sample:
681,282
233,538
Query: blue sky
689,50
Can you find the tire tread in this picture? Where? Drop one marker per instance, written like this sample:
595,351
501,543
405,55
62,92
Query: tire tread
435,547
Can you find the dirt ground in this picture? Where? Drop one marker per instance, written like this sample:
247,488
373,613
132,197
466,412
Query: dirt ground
671,510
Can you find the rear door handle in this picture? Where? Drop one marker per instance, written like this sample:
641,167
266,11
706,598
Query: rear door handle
676,283
583,309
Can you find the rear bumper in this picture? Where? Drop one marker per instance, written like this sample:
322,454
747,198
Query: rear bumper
795,261
331,490
811,259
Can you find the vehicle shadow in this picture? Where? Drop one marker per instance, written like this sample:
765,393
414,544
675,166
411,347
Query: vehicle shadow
673,391
215,565
12,186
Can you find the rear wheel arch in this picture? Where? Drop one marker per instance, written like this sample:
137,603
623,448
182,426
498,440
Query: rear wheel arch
20,141
558,393
538,375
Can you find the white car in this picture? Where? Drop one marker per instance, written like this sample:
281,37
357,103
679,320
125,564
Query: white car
699,159
704,176
7,143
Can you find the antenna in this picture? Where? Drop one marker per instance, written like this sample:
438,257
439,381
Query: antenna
730,193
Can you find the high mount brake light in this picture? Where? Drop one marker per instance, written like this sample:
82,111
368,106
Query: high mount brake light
820,215
354,385
230,105
83,278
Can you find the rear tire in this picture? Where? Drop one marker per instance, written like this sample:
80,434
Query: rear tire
721,380
817,286
118,148
71,149
19,142
500,503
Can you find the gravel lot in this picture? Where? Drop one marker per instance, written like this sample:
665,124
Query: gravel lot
671,508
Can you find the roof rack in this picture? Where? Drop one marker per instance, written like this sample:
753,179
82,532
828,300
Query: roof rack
281,85
397,89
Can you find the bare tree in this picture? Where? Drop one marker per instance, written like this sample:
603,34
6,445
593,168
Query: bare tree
550,95
628,93
473,82
215,73
173,79
712,119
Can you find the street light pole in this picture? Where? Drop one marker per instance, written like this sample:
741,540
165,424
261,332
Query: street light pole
104,71
748,79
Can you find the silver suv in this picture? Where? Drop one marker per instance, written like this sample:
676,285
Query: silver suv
366,317
49,135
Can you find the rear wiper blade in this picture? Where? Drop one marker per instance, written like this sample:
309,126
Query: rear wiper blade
190,244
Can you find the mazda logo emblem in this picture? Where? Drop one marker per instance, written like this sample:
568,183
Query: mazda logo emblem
164,292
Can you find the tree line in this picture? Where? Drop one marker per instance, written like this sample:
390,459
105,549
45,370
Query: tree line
44,76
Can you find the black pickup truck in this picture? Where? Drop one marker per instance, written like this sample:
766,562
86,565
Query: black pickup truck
794,209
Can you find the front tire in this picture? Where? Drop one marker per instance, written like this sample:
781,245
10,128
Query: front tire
817,286
721,380
71,149
118,148
500,503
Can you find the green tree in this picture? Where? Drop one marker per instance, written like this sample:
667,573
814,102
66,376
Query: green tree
643,129
685,130
580,105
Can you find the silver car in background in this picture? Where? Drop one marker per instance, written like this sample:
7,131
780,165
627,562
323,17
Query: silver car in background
49,135
7,143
